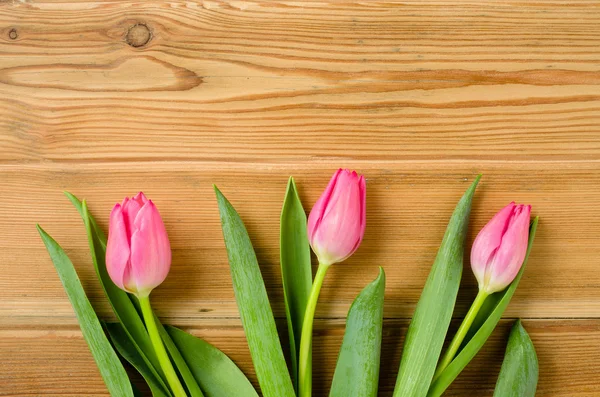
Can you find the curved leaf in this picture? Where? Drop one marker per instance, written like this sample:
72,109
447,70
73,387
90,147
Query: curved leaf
108,363
253,303
296,271
491,315
213,370
519,372
428,328
357,370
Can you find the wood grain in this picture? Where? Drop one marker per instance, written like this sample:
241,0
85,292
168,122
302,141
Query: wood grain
264,81
28,355
105,98
408,209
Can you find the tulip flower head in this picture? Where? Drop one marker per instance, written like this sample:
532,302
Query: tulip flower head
138,253
500,247
336,224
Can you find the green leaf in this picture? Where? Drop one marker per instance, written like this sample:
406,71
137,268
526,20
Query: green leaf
108,362
295,268
428,328
212,369
357,370
488,317
253,303
129,352
97,230
519,372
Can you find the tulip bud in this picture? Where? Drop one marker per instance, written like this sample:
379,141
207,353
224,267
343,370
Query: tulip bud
336,224
138,253
500,247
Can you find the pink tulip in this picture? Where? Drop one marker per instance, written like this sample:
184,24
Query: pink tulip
138,253
500,247
336,224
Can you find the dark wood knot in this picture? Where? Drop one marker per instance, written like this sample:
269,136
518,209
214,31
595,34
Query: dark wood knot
138,35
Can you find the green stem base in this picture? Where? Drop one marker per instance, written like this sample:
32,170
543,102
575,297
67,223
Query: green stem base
461,333
159,348
305,365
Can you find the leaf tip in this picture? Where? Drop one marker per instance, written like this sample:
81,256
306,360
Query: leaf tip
43,234
381,273
471,190
84,207
222,202
533,226
220,196
291,187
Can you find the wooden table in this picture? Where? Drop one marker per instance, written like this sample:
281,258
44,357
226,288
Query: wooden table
106,98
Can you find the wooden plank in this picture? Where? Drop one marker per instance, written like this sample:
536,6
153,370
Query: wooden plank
28,355
263,81
408,208
105,97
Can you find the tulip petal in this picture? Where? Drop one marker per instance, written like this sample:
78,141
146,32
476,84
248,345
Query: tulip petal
344,179
488,241
510,255
141,198
117,248
342,222
362,184
150,249
318,210
131,207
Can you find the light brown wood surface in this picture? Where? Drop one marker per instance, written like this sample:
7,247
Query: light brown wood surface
106,98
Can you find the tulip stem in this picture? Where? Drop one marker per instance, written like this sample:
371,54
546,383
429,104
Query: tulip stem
305,365
159,348
461,333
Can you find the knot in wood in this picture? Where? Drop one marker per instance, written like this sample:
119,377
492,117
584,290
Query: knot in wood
138,35
12,34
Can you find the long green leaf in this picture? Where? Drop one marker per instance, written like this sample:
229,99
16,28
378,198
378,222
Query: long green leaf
129,352
108,362
428,328
253,303
357,370
295,268
492,316
519,372
212,369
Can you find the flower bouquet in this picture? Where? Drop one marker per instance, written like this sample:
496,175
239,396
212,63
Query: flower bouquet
136,258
